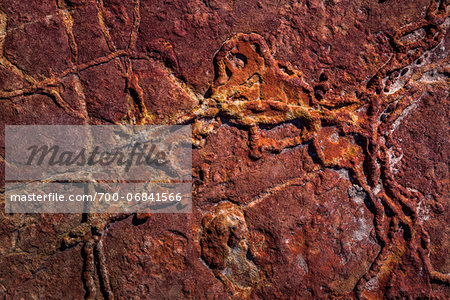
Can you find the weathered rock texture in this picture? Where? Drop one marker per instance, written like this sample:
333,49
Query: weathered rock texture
321,135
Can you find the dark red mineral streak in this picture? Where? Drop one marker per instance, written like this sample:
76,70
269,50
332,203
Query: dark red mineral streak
320,161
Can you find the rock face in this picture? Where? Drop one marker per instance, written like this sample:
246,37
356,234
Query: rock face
320,133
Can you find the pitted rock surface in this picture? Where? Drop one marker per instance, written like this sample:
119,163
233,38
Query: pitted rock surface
320,135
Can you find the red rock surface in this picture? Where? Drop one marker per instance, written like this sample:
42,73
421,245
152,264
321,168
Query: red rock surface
320,159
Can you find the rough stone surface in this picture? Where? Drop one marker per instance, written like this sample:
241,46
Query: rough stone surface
320,132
